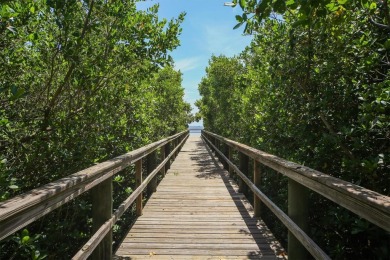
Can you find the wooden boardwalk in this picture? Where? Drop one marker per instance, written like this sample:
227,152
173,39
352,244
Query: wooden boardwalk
198,213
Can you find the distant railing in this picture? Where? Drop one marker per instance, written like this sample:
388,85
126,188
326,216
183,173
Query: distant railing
24,209
367,204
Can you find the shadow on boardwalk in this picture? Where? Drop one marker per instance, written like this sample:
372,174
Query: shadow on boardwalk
210,168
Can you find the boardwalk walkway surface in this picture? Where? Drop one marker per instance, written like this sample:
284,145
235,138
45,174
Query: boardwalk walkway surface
197,213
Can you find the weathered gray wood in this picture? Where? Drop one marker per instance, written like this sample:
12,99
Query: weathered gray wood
167,149
257,183
305,240
151,161
168,256
92,243
24,209
368,204
230,159
226,153
176,144
298,211
163,169
101,212
243,166
197,201
138,181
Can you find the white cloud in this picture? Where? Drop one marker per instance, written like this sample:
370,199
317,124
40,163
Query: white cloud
222,39
187,64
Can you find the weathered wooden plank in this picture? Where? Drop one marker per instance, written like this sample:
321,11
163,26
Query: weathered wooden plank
366,203
138,245
188,251
188,224
306,241
199,236
101,212
21,210
104,229
197,211
186,240
152,255
195,230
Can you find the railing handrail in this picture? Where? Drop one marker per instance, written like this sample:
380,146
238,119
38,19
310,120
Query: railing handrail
94,241
368,204
24,209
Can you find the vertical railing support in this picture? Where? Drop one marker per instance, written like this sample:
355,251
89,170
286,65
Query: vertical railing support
151,162
244,160
101,212
257,182
298,198
230,159
176,142
162,155
225,152
167,149
216,143
138,182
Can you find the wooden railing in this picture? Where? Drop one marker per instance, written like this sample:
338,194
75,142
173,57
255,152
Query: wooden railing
24,209
368,204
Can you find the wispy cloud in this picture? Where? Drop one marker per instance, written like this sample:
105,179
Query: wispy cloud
187,64
222,39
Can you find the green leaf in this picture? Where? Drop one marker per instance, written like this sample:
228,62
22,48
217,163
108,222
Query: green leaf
300,22
17,93
25,232
237,26
332,7
13,187
387,44
341,2
239,18
280,6
25,239
243,4
372,6
290,2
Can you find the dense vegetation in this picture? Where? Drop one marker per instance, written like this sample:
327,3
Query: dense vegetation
80,82
313,87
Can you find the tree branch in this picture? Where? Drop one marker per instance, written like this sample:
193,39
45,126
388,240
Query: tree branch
56,95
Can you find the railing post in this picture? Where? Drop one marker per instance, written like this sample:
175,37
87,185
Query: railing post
244,160
162,152
138,182
226,153
298,211
174,142
167,149
257,182
151,165
216,143
101,212
230,159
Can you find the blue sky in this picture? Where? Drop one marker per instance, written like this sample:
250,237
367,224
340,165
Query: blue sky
207,30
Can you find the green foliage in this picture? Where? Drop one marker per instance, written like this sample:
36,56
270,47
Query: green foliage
80,82
313,87
255,12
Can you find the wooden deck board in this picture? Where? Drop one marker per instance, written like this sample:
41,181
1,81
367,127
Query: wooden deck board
198,213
